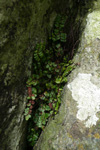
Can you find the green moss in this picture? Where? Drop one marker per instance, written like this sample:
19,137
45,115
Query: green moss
22,25
96,4
50,132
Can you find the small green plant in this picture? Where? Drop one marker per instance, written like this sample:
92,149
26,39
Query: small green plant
50,70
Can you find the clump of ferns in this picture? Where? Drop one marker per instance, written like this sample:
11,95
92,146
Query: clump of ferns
50,70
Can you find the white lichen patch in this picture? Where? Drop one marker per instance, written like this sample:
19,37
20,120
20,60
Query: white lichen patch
92,30
87,96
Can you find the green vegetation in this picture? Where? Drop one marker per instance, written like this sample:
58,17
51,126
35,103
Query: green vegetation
50,69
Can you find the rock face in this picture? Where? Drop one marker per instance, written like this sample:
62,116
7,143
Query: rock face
77,126
22,24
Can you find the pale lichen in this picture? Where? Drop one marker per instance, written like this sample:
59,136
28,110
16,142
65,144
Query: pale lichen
92,30
87,96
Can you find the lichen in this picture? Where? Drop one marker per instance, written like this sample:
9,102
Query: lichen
92,30
80,147
87,96
97,135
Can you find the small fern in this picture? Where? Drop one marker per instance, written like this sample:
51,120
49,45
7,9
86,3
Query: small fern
50,70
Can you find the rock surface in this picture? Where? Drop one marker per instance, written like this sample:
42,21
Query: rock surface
22,24
77,126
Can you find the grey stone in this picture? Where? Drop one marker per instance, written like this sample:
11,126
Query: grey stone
77,125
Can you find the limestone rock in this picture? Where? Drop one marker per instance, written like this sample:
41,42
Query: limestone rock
77,126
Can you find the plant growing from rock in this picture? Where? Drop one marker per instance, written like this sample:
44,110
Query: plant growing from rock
50,70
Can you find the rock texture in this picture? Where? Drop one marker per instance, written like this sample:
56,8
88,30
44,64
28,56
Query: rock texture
22,24
77,126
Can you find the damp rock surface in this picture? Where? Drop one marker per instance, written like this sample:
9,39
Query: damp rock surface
77,125
22,24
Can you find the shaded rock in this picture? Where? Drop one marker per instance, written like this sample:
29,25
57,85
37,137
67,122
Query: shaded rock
22,24
77,126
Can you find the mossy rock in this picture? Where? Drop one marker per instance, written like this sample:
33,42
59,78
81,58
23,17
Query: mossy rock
77,125
22,24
